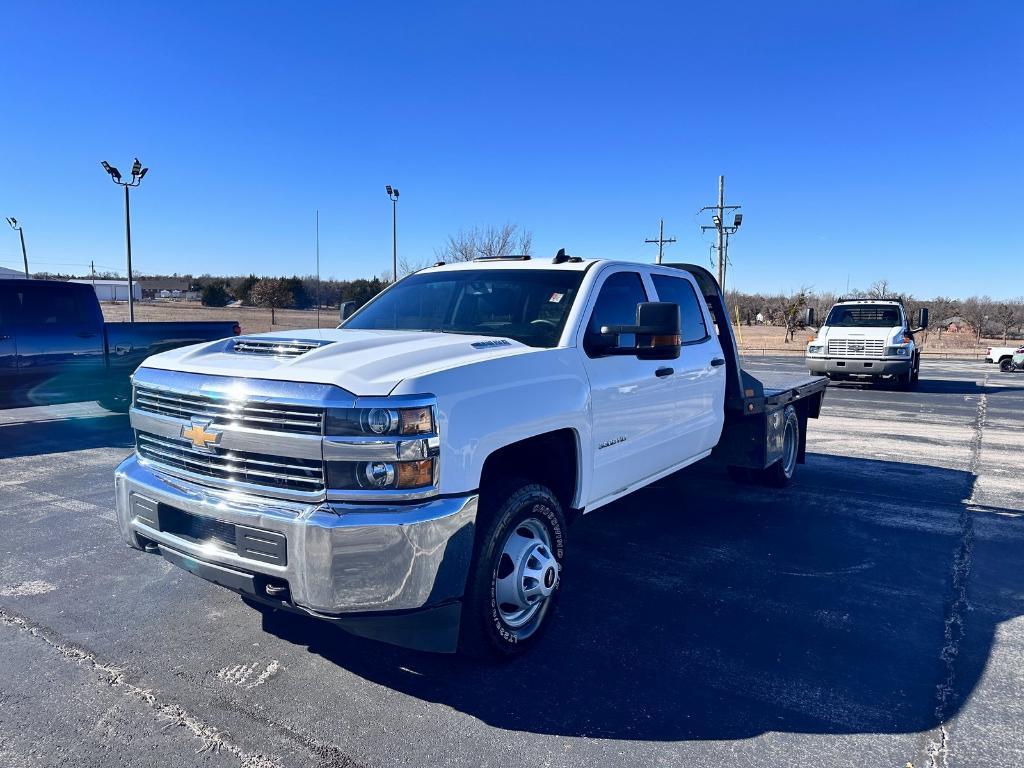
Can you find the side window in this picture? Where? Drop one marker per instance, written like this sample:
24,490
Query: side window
616,305
50,306
679,291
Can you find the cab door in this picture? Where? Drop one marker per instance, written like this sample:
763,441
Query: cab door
8,349
631,399
699,379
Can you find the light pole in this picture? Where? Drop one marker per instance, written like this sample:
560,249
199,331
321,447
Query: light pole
115,176
393,197
24,254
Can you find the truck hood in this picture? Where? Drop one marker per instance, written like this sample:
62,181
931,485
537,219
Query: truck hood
365,363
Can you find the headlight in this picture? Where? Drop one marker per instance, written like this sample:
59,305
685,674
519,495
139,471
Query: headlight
380,475
815,349
387,447
380,421
896,351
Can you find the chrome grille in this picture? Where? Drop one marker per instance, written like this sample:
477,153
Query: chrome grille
856,347
271,417
274,347
285,473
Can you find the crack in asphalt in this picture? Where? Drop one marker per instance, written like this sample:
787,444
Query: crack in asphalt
937,751
212,738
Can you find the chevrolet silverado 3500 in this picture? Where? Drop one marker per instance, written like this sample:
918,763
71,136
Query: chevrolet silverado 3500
410,475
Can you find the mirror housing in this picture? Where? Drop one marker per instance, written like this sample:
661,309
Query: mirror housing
657,332
922,318
346,310
810,317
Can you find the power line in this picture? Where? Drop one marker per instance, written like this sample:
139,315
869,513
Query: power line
661,241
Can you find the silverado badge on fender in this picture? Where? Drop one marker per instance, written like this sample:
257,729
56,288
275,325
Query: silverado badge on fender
201,436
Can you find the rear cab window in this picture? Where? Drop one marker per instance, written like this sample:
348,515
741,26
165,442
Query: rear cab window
678,290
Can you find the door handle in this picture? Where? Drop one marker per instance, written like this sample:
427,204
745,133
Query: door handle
718,361
662,372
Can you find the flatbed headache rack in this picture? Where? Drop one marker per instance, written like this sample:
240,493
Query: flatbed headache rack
752,436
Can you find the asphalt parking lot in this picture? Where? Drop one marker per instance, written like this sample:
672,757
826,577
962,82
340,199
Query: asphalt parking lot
870,615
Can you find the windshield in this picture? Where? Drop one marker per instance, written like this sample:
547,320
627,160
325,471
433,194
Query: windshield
864,316
530,306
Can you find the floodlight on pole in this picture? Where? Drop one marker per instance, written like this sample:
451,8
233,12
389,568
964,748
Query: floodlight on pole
737,220
21,234
115,175
393,197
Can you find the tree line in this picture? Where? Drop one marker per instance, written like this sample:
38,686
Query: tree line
983,315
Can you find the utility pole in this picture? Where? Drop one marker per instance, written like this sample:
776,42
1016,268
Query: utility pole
92,271
722,230
21,232
661,241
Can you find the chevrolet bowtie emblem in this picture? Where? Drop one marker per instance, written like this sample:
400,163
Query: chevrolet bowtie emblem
200,434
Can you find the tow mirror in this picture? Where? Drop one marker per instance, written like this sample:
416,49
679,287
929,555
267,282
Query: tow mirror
346,310
922,317
656,330
810,317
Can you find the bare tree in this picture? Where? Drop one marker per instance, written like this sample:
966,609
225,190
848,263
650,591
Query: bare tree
491,241
788,310
880,289
272,292
1005,314
976,311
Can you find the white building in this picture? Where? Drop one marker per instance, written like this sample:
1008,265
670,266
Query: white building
113,290
11,274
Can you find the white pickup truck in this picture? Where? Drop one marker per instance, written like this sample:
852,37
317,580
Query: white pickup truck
411,474
867,338
1001,355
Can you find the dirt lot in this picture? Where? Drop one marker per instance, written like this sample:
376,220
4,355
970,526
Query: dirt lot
759,339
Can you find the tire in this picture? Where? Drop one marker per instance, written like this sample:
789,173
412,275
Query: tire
904,381
118,402
915,374
1006,365
781,473
522,532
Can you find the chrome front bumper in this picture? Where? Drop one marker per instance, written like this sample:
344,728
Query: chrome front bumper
853,366
342,559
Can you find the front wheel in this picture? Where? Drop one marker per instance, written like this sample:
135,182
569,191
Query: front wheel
1006,365
516,570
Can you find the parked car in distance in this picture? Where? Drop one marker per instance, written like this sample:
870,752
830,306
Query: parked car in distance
410,475
1014,363
870,339
998,355
56,348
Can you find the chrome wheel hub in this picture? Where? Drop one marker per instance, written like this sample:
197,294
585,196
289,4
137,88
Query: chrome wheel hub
527,573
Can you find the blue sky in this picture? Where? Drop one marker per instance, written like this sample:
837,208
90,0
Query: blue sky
865,140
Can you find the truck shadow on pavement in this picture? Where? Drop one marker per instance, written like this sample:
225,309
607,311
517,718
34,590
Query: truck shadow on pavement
697,609
930,386
42,436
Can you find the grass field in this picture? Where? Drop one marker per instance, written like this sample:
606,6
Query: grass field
762,339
